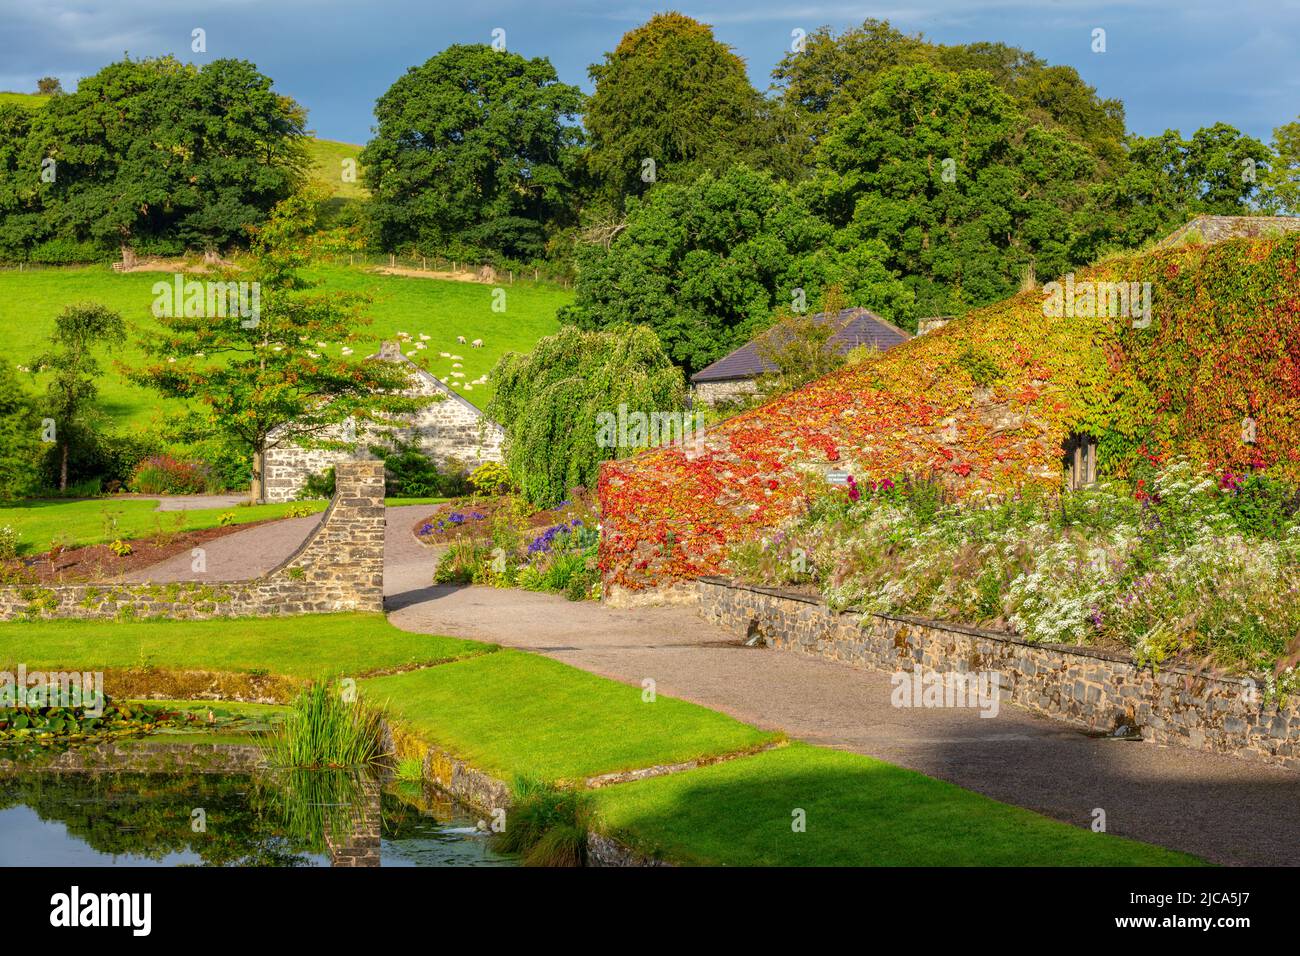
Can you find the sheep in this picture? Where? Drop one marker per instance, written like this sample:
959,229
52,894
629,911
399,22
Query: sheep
460,339
476,344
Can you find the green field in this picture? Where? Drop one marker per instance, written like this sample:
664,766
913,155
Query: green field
32,100
327,158
29,302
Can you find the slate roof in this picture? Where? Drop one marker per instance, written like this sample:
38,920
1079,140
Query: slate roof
857,326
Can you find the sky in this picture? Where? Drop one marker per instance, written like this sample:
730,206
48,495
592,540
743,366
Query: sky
1179,64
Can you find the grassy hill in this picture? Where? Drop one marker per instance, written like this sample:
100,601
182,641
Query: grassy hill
32,100
29,301
327,158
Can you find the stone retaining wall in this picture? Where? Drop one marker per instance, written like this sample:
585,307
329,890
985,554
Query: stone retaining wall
340,567
1086,687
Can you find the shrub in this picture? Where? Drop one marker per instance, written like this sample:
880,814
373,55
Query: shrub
121,548
8,543
547,824
164,475
100,460
490,478
326,729
319,485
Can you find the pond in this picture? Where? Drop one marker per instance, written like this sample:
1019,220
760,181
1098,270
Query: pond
299,818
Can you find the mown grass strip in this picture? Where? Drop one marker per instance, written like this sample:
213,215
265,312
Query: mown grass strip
512,713
857,811
311,646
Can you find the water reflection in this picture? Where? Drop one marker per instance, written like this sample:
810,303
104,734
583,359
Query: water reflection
289,818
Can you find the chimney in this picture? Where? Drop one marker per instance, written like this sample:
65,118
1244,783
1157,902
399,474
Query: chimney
390,350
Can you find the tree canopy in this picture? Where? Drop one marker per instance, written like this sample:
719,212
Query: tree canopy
672,94
474,152
961,188
154,154
550,401
705,263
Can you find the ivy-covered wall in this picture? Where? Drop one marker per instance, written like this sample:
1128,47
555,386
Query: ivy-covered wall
985,405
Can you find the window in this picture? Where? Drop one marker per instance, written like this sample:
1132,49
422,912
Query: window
1080,461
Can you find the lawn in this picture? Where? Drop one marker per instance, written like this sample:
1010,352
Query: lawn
298,647
441,309
859,812
509,713
100,520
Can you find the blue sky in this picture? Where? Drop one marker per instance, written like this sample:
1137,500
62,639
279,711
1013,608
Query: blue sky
1174,64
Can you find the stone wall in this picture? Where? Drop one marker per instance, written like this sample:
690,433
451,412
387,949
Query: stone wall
711,393
340,567
450,431
1089,688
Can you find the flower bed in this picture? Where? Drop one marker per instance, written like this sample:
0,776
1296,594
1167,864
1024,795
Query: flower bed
1181,567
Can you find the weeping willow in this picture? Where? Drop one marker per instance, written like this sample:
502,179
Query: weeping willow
548,402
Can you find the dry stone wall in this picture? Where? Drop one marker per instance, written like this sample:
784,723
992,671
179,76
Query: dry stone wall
1085,687
340,567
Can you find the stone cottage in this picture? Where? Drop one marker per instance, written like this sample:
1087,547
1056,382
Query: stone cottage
450,430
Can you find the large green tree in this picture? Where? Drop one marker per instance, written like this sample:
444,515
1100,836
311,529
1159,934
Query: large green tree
553,401
672,95
474,152
965,193
705,263
1166,180
832,73
1281,183
155,154
271,374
